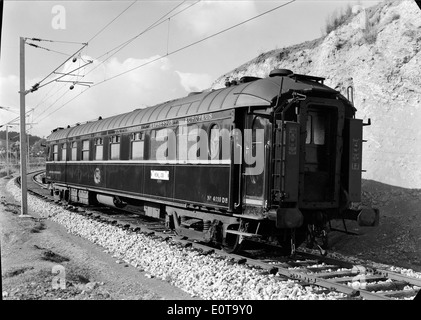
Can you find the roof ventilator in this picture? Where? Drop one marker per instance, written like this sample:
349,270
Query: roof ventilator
280,73
247,79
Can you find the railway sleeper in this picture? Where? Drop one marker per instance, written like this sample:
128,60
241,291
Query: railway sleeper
392,285
365,278
401,293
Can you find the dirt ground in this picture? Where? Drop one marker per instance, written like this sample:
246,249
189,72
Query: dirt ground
32,248
397,239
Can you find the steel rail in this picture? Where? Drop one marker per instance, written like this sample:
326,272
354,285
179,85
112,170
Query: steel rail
282,269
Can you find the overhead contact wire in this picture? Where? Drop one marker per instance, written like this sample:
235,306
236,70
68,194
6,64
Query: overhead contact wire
127,42
173,52
196,42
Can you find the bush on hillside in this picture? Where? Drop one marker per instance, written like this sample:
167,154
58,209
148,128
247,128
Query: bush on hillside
337,18
370,35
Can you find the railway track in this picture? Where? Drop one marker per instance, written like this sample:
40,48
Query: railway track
355,281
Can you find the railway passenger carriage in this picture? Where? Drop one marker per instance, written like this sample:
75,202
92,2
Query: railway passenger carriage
188,161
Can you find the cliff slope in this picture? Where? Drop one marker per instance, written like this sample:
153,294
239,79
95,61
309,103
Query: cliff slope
377,51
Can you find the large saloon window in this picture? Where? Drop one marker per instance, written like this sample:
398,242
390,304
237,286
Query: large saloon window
74,151
55,152
85,150
115,148
162,144
138,144
99,149
187,142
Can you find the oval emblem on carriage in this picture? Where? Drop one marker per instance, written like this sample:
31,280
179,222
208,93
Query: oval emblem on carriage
97,176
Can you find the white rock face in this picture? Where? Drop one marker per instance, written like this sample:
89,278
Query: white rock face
357,8
382,63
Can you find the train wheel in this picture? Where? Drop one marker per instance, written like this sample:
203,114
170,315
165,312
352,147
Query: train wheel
289,246
317,237
325,240
232,242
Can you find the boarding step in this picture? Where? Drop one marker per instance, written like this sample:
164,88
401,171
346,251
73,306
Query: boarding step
249,216
244,234
190,222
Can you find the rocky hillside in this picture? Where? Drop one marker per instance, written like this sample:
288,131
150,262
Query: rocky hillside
377,51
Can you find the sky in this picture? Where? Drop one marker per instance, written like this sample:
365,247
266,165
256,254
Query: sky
138,53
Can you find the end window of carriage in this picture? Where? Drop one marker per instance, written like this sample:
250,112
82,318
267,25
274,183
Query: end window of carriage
137,146
316,123
115,147
99,149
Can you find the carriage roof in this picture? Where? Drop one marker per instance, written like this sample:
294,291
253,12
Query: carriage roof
261,92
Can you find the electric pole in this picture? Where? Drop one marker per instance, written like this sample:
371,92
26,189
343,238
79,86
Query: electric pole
23,148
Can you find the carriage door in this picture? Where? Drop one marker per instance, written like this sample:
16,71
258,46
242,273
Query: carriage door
320,157
255,157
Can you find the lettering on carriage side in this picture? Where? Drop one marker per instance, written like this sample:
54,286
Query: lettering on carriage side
198,118
217,199
166,123
355,164
160,175
292,147
173,122
135,128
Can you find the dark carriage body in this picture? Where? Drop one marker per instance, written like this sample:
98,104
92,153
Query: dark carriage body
310,155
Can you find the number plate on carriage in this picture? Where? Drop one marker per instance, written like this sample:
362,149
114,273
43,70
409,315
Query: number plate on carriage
160,175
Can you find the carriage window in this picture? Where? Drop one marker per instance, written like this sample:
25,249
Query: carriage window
74,150
115,148
309,130
85,150
138,144
64,152
55,152
255,181
159,138
99,149
315,128
187,139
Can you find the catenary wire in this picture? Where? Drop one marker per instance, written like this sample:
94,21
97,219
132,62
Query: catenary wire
106,26
84,44
127,42
171,53
196,42
121,46
71,42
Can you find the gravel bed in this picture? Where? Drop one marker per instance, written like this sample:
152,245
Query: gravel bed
206,276
357,261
